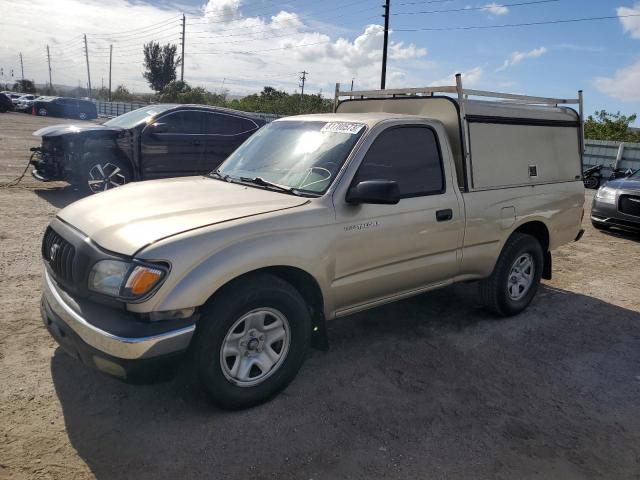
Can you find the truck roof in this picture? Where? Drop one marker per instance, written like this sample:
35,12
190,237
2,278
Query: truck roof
368,118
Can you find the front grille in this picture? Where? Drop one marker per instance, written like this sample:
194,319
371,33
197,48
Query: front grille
629,204
59,253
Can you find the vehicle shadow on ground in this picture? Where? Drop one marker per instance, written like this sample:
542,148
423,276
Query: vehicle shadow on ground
621,234
430,386
60,197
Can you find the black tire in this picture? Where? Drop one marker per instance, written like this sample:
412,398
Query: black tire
115,172
592,183
600,226
43,112
82,116
494,292
222,312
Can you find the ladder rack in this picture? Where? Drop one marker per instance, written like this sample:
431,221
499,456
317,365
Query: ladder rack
463,95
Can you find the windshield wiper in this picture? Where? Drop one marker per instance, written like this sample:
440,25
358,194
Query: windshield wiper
266,183
217,174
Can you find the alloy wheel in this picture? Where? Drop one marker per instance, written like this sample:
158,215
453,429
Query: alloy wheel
104,177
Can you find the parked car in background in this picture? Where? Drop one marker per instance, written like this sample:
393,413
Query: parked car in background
65,107
157,141
25,103
14,96
617,204
6,105
21,98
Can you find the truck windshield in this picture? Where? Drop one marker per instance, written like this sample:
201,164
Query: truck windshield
302,155
133,118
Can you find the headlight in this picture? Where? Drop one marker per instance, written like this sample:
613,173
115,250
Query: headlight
126,280
606,195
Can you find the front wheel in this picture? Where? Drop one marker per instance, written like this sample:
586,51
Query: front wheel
592,182
516,276
251,340
103,174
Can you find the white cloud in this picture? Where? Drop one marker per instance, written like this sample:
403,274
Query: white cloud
517,57
222,45
496,9
224,11
624,85
630,25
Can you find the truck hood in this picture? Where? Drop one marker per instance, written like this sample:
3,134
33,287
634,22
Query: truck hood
128,218
71,129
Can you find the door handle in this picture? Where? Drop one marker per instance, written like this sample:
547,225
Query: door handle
444,215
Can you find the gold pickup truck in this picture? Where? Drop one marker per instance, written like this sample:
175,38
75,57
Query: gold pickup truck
313,218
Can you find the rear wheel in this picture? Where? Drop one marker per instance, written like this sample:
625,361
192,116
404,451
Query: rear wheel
516,276
43,112
82,116
103,174
251,341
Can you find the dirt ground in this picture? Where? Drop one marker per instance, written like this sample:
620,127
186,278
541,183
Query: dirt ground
431,387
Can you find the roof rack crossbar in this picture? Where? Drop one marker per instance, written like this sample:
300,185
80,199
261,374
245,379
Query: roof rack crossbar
453,89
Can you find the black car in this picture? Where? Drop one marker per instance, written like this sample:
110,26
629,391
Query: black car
617,204
157,141
65,107
6,105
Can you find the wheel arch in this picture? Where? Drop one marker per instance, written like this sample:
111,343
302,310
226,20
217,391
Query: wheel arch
306,285
539,230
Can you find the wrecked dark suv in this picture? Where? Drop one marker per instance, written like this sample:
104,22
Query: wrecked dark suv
157,141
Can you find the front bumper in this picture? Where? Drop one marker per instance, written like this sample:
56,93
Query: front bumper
608,215
121,345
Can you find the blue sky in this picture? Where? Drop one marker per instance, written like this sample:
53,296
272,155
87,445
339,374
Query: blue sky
241,45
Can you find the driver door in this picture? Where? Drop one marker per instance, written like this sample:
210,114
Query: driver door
387,250
174,145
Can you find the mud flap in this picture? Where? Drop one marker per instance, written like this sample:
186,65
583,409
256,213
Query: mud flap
547,268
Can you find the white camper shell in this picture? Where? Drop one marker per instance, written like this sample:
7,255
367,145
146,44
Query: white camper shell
509,141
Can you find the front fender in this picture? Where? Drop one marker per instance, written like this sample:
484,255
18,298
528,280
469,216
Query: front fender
194,279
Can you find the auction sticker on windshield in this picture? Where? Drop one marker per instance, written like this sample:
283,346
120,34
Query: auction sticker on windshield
342,127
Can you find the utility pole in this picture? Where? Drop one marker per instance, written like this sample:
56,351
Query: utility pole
352,79
303,79
110,59
86,54
182,56
49,62
383,77
21,66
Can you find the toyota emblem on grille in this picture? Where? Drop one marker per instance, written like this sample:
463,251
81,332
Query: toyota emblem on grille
53,251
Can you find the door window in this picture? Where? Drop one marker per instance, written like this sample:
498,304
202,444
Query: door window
184,123
409,156
220,124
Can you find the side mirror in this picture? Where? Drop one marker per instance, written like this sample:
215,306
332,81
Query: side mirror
158,127
381,192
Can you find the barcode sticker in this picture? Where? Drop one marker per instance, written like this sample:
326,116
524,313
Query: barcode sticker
342,127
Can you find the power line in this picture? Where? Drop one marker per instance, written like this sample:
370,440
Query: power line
472,9
511,25
135,31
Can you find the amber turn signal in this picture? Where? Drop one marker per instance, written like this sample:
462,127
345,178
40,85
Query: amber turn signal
142,280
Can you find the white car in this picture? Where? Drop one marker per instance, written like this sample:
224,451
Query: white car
25,102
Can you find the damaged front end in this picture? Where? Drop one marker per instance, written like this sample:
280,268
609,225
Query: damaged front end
52,161
68,151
